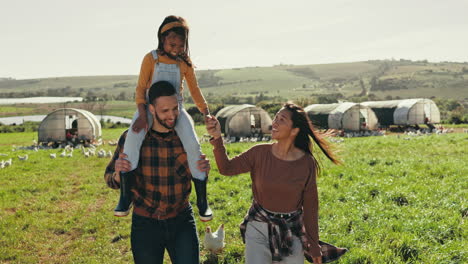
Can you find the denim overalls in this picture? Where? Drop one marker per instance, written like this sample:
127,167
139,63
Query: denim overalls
184,125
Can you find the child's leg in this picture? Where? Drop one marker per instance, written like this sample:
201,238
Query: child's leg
134,140
132,147
186,132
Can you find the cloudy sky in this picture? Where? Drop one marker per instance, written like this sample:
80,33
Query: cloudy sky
50,38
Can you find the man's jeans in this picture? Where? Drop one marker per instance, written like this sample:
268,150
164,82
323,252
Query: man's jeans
178,235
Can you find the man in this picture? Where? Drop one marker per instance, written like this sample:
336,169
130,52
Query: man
161,184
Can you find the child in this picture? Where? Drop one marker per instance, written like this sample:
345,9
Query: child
169,62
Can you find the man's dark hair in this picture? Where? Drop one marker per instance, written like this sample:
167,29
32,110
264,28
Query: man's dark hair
161,88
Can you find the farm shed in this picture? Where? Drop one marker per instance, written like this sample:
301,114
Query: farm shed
346,116
405,112
80,123
244,121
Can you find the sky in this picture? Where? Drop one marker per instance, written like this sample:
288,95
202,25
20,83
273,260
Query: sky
55,38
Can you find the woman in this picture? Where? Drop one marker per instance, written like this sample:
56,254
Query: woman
282,223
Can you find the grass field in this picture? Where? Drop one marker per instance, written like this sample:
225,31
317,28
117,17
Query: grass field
410,79
394,200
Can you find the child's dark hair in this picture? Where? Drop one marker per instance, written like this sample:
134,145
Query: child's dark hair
181,30
161,88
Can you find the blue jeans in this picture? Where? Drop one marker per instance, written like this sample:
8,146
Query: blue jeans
178,235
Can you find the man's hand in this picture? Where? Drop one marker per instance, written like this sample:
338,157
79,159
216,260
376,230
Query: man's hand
121,164
213,127
203,164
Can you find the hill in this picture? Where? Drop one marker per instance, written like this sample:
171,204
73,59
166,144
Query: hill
379,79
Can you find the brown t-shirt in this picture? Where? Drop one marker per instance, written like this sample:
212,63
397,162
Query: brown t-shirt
277,185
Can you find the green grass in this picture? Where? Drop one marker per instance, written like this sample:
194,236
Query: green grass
115,108
393,201
85,82
16,110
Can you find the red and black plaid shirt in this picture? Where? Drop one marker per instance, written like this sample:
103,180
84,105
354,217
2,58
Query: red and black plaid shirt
162,183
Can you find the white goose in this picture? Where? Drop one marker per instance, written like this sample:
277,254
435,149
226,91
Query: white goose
25,157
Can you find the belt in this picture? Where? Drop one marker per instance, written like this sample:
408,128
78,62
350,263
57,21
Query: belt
281,215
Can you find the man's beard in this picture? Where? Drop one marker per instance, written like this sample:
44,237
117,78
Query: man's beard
164,124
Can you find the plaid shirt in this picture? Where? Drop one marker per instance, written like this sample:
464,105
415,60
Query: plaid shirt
280,232
162,180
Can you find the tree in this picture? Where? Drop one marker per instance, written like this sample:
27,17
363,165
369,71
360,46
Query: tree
121,97
89,105
101,103
373,84
363,87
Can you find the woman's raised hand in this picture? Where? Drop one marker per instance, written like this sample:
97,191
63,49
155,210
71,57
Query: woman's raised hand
213,127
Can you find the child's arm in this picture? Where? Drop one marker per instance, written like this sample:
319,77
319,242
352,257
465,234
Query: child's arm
144,79
195,91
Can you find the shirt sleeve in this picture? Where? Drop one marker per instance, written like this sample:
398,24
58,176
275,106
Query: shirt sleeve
242,163
195,90
311,208
110,169
144,79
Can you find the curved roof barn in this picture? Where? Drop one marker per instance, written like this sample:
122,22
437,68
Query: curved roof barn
347,116
405,112
244,121
56,124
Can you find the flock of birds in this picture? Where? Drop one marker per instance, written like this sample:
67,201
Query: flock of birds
213,241
228,140
338,135
251,139
408,132
407,135
67,151
365,133
87,152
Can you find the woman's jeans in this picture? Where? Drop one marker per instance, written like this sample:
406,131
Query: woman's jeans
150,237
257,246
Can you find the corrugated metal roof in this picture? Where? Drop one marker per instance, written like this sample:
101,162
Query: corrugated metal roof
230,110
320,108
391,103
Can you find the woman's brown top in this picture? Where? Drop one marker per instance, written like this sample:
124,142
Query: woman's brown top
278,185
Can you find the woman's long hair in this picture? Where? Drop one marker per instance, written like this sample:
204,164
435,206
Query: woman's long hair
183,32
306,132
